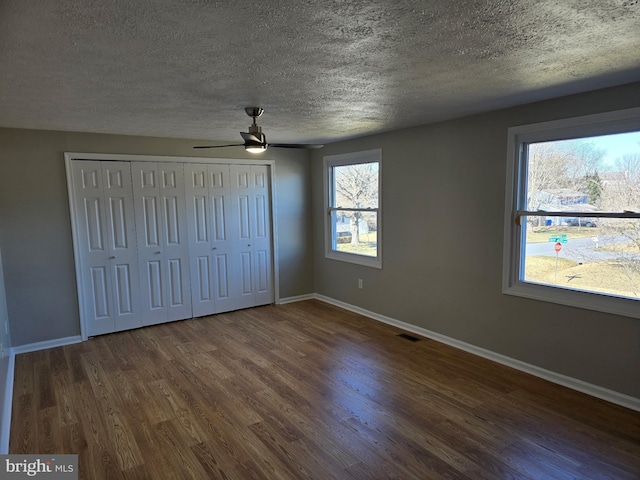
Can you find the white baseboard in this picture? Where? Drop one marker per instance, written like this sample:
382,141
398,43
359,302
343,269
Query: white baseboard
8,392
569,382
7,405
299,298
57,342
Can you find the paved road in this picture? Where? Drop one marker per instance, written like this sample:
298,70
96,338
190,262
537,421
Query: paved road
578,249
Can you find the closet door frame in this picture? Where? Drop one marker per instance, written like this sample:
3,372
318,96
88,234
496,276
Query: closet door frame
69,157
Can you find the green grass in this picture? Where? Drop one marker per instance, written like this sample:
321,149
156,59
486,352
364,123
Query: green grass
603,277
366,247
362,249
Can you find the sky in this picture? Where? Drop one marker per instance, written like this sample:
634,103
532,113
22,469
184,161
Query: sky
617,146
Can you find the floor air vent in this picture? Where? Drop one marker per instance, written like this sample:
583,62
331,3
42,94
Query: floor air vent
411,338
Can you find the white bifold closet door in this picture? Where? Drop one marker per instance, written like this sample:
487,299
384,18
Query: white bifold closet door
228,211
163,248
251,231
157,241
106,246
208,216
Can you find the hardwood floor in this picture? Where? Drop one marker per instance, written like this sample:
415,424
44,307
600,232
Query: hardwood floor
307,391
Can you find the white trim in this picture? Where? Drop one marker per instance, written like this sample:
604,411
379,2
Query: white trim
57,342
564,380
299,298
367,156
275,258
7,405
574,127
513,240
121,157
75,242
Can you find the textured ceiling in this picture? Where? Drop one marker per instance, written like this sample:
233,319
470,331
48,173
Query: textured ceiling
323,70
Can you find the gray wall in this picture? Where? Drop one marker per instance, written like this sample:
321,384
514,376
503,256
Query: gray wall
36,238
443,219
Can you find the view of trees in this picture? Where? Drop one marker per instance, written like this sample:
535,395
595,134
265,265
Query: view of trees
576,175
578,165
624,192
572,165
356,186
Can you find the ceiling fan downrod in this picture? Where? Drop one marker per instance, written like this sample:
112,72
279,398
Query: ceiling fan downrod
255,129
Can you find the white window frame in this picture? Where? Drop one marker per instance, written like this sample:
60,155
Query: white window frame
516,206
368,156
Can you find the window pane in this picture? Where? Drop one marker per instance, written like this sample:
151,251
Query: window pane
603,258
356,232
588,174
356,186
353,202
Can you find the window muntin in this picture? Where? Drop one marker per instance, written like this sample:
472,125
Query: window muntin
352,197
572,225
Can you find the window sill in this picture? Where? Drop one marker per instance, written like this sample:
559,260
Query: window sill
573,298
354,258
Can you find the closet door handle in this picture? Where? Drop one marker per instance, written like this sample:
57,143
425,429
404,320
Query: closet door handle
157,253
112,257
214,248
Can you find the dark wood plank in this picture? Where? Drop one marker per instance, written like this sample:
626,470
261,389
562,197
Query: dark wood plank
307,390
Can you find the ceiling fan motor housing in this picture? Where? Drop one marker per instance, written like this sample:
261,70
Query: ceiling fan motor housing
257,132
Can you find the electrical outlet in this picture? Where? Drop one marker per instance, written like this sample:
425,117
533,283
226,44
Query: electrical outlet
360,283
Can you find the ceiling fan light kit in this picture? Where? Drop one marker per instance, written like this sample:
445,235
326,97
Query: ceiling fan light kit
255,141
255,148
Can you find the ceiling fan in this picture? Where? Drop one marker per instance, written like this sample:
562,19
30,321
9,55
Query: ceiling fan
255,141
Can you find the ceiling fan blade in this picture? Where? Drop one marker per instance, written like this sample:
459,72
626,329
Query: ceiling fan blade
296,145
220,146
255,141
250,138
